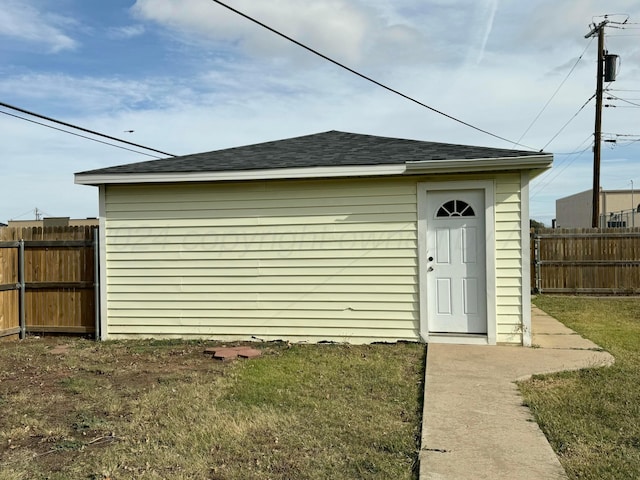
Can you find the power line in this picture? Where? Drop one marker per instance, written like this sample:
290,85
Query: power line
365,77
569,121
78,134
92,132
541,186
556,92
623,100
22,214
622,134
548,175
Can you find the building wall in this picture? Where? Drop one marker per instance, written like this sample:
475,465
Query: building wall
54,222
575,211
298,260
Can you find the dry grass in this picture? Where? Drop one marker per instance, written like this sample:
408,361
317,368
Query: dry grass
157,410
592,417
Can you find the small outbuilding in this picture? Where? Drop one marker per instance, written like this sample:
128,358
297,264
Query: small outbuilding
328,237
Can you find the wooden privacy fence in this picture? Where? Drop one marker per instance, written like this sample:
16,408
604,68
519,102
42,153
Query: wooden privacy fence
48,280
589,261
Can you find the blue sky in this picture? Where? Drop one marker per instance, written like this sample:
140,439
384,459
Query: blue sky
189,76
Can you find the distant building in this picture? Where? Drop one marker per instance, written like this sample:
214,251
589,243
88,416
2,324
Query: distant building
618,209
54,222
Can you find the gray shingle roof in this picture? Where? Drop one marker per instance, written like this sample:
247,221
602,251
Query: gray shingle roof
328,149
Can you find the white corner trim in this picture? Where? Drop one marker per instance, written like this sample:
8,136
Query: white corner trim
230,175
526,259
102,211
422,251
488,186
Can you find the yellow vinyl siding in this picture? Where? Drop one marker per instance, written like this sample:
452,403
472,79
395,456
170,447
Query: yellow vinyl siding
296,260
301,260
508,259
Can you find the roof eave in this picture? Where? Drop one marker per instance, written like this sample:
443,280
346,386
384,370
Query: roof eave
234,175
535,162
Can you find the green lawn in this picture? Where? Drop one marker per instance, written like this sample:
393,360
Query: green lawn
592,417
156,410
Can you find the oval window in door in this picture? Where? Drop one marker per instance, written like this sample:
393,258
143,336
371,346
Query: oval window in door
455,208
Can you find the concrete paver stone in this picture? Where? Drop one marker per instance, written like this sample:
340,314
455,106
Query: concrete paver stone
226,354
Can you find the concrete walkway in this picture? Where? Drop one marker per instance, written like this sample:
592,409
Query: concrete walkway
474,423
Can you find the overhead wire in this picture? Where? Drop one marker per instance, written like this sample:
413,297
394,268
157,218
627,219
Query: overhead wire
556,92
78,134
22,214
557,171
623,100
560,163
365,77
545,182
76,127
569,121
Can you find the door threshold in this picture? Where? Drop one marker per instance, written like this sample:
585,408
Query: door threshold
458,338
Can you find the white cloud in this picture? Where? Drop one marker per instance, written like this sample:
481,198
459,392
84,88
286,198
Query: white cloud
350,31
19,19
126,32
91,95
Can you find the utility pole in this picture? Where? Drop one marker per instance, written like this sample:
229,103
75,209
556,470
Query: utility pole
599,30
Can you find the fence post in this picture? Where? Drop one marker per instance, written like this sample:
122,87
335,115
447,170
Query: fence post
96,282
536,261
21,280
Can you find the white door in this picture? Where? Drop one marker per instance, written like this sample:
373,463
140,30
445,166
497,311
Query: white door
455,262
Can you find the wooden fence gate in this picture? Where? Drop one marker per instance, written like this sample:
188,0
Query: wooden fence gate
48,280
588,261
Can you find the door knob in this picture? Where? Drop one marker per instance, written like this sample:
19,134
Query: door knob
430,269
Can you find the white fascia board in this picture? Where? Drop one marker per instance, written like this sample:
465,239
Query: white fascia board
229,175
481,164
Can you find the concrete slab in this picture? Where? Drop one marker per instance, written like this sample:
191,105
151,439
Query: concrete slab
546,325
560,341
474,424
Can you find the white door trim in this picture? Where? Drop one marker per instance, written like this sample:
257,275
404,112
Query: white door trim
488,186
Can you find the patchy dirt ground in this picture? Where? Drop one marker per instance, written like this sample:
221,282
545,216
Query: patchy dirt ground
62,395
72,408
